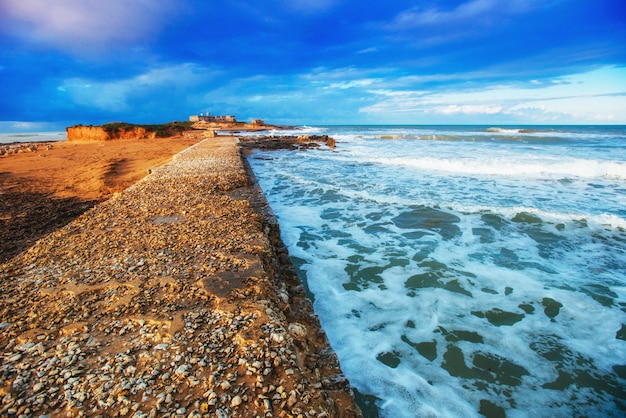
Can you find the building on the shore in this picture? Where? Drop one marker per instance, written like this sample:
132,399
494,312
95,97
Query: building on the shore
258,122
209,118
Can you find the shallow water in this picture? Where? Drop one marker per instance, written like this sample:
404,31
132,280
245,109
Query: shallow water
465,271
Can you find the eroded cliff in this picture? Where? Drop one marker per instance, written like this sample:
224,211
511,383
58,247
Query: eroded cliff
123,130
98,133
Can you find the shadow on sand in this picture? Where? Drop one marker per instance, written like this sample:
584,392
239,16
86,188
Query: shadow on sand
27,217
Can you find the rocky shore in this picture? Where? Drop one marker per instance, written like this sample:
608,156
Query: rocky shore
17,148
173,298
289,142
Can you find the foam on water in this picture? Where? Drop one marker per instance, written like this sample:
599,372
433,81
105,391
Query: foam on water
572,168
460,293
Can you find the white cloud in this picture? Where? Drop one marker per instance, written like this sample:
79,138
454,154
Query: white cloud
29,126
471,11
469,109
594,96
604,118
397,93
343,85
417,17
81,25
116,95
324,74
367,50
575,109
99,95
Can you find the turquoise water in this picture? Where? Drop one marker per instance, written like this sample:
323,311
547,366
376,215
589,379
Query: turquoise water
465,271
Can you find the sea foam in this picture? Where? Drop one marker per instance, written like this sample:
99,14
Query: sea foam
452,284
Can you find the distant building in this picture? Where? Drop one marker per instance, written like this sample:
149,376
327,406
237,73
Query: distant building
258,122
209,118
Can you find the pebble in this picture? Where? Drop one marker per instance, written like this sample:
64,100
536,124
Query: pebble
177,335
236,401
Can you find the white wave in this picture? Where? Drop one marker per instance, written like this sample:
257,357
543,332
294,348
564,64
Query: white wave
574,168
365,186
596,222
584,135
361,195
505,131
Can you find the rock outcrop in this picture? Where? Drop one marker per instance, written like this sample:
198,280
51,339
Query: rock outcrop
300,142
98,133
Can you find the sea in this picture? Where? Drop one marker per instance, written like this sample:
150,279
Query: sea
13,137
464,271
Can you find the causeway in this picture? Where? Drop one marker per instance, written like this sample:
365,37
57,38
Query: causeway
174,298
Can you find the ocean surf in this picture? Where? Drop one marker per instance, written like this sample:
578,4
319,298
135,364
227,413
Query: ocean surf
464,271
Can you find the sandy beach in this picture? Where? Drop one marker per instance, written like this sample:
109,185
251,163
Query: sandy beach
173,297
48,186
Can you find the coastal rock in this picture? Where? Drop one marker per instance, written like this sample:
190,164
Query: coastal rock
98,133
289,142
24,147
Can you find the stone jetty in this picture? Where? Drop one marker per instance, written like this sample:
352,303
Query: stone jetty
174,298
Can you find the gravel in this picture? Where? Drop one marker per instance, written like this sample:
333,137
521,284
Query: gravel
174,298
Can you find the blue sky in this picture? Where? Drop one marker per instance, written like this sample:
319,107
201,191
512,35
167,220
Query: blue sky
64,62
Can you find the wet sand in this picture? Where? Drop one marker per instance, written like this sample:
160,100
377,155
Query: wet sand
175,297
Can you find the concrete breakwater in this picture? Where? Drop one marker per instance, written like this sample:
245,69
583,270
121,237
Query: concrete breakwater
173,298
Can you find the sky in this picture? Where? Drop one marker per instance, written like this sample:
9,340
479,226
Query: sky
312,62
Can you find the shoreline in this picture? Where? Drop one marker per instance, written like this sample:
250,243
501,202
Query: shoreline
70,297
